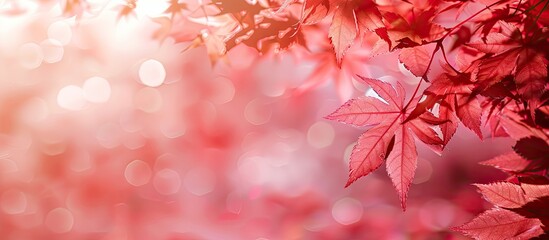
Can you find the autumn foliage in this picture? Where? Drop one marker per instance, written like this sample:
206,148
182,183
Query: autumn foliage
478,64
499,77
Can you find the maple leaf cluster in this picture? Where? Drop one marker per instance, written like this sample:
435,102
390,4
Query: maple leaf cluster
500,76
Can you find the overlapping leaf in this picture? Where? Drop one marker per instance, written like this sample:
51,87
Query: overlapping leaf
504,194
415,59
496,224
509,162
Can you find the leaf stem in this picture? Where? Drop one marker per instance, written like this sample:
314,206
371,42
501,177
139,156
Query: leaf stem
539,15
446,59
517,8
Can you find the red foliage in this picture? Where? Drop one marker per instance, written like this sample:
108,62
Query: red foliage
499,77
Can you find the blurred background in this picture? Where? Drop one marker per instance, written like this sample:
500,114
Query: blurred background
109,133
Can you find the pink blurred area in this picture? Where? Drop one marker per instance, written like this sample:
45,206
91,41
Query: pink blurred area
109,134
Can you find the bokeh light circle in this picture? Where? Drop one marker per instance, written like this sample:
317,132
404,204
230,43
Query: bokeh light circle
59,220
347,211
138,173
152,73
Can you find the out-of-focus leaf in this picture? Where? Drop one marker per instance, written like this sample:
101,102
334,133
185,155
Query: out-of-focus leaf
343,29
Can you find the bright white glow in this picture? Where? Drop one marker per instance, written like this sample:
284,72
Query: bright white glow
347,211
59,220
30,55
151,8
152,73
71,97
60,31
97,90
53,50
138,173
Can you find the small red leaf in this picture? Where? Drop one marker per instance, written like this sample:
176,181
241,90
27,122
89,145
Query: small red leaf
415,59
497,224
503,194
468,110
446,112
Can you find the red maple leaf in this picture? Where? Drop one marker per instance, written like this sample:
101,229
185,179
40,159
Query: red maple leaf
390,139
